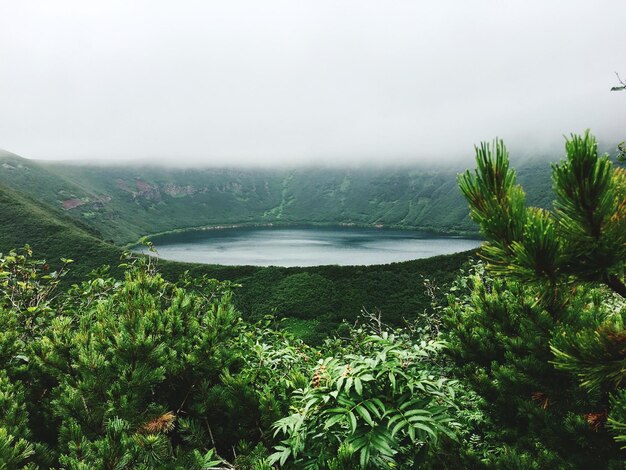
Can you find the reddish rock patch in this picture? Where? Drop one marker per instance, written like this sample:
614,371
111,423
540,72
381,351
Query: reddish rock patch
71,203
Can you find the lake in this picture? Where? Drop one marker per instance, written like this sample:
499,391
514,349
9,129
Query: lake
305,246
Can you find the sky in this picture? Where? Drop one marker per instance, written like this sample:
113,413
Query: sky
275,82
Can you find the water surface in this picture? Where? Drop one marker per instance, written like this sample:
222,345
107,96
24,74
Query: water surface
305,246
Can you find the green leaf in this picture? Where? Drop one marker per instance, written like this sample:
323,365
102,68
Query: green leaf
423,427
340,382
358,387
403,423
349,384
372,408
392,379
380,405
382,444
364,456
353,422
365,415
334,420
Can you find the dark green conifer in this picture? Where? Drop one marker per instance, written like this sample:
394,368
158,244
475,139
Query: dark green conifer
555,307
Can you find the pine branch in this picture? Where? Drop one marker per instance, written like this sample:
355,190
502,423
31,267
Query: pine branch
619,88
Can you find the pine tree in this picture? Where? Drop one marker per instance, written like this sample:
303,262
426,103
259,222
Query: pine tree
566,266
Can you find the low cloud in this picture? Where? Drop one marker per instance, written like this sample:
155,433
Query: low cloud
307,82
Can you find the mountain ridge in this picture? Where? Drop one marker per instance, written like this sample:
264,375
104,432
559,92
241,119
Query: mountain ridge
123,204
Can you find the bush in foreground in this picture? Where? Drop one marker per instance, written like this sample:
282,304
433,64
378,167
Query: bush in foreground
146,373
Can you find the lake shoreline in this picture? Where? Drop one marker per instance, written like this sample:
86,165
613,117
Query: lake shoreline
288,245
211,227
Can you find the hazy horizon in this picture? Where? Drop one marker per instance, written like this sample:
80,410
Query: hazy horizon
279,83
452,164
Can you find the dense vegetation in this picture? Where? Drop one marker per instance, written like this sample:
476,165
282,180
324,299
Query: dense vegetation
144,373
314,301
521,366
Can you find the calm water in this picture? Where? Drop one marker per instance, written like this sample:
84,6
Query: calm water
305,246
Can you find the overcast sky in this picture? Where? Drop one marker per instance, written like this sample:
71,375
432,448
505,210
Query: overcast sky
298,81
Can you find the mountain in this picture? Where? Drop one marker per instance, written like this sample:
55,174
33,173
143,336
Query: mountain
122,204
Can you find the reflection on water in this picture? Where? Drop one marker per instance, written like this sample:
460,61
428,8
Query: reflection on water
308,246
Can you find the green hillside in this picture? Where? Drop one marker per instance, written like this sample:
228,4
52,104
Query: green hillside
68,211
125,203
315,300
51,235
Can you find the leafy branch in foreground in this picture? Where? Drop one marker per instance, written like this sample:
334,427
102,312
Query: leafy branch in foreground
382,407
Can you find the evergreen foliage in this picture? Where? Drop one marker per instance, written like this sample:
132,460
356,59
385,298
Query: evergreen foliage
583,240
543,340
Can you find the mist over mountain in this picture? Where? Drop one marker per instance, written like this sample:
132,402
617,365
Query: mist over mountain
297,83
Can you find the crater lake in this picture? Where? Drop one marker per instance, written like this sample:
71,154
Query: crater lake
304,246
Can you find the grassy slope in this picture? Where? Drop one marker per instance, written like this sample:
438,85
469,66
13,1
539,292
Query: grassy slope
51,235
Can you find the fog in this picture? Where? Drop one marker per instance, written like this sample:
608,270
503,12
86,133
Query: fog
236,82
